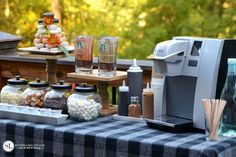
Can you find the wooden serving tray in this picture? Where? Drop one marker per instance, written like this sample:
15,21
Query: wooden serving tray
120,75
14,112
34,50
126,118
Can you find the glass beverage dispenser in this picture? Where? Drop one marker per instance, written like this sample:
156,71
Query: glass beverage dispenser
228,119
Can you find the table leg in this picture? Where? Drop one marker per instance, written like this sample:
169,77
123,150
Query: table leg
51,69
3,81
113,95
107,109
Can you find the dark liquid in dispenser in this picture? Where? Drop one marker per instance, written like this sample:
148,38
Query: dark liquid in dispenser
85,64
83,54
107,56
106,66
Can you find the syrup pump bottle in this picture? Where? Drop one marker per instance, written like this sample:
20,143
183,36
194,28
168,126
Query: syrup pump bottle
135,81
148,102
123,100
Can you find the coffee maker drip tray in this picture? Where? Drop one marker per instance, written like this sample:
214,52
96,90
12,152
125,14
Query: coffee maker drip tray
170,124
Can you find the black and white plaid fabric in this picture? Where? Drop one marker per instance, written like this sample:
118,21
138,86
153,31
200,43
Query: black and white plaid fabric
106,137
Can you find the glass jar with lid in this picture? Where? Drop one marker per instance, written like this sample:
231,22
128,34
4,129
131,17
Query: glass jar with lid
12,92
134,107
35,93
84,104
57,97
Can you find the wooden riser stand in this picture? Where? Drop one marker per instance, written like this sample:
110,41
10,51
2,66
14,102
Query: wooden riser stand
51,60
102,84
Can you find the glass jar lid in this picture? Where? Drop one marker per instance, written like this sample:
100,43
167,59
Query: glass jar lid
134,100
48,14
38,83
55,20
17,81
40,21
61,85
85,88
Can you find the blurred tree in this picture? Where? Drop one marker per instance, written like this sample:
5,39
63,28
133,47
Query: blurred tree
22,17
140,24
159,20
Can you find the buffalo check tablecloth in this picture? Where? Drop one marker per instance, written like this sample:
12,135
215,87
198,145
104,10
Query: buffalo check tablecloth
106,137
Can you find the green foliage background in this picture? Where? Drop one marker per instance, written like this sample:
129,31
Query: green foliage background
139,24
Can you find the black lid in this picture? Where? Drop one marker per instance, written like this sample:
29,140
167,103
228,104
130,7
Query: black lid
17,81
55,20
40,21
38,83
48,14
84,88
61,85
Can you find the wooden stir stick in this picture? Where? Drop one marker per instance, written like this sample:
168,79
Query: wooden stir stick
218,112
213,109
207,107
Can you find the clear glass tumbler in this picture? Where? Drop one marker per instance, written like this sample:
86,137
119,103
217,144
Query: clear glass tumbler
83,53
212,135
107,56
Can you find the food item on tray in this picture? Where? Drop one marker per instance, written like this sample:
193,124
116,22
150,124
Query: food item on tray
12,92
57,97
34,95
49,34
56,102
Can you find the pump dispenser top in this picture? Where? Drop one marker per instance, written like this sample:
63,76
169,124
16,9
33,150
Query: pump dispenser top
135,80
148,102
123,88
134,67
147,89
123,100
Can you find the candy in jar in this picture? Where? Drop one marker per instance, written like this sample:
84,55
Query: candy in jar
34,94
57,97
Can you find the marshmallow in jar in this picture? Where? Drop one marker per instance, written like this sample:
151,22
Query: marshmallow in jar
84,104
